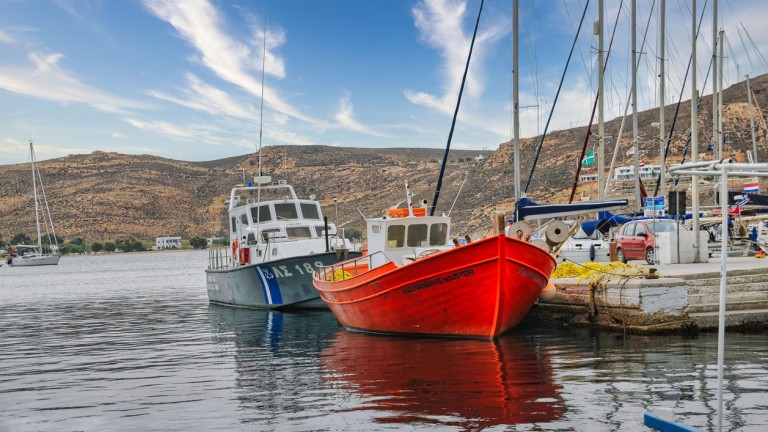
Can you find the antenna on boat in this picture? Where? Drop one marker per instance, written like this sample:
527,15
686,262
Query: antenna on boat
261,125
455,114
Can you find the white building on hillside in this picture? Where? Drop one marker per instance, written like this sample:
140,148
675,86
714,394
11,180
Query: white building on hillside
167,243
628,172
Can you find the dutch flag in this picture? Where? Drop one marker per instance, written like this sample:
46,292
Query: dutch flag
752,188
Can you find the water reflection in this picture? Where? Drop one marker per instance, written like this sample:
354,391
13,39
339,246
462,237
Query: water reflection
461,383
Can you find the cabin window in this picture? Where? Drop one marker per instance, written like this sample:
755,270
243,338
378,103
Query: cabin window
310,211
417,235
286,211
395,236
233,228
268,234
320,231
261,213
298,232
251,238
438,234
244,219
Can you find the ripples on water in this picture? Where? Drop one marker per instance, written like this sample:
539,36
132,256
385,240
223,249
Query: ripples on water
129,342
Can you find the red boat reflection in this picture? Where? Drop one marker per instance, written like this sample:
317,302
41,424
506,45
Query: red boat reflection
467,383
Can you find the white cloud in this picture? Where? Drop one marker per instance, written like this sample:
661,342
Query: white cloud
346,118
47,81
5,37
440,26
200,24
19,150
203,97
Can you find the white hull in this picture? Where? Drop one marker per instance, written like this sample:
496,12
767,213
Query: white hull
36,260
585,250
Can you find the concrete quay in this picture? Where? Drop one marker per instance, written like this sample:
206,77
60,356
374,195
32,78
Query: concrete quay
685,297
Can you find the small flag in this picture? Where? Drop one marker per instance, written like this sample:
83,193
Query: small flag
711,147
743,201
752,188
589,159
641,164
631,151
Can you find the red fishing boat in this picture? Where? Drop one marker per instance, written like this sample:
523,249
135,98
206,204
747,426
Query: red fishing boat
415,281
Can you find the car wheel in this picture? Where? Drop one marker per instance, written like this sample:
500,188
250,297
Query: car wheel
650,256
620,256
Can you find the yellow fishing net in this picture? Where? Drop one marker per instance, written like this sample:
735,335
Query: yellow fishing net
597,272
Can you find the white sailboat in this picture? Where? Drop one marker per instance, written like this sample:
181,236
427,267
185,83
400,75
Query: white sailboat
33,255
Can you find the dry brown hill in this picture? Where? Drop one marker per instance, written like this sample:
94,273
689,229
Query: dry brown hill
102,196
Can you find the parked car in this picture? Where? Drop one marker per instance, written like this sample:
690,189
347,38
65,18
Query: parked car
637,239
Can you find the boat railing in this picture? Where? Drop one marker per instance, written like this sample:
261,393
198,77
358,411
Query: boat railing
220,258
349,268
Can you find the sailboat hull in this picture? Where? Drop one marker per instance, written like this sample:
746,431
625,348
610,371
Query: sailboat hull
482,289
37,260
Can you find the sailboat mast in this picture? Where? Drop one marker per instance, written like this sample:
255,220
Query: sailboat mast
601,104
694,138
516,95
635,145
34,189
715,107
720,134
751,121
662,100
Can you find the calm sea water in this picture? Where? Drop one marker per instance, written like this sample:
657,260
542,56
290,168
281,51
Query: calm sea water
129,342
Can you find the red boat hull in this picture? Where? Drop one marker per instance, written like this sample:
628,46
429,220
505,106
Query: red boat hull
481,290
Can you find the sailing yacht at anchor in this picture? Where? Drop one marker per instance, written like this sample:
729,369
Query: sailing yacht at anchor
33,255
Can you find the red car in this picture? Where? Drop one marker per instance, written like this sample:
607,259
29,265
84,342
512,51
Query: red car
636,240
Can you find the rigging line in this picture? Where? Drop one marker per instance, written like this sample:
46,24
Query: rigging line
588,68
261,127
455,114
626,108
679,102
746,51
594,108
559,87
754,45
459,192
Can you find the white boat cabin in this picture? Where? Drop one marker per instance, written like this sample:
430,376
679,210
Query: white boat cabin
405,235
269,222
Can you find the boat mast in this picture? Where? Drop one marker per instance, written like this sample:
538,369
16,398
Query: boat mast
516,95
662,100
720,134
715,107
601,104
34,189
635,145
751,121
694,139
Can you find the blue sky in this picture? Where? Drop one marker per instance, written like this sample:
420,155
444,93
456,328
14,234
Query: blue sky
183,79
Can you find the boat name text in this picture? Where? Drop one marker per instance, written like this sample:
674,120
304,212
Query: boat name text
439,281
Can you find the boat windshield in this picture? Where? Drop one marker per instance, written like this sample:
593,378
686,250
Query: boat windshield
663,226
438,234
417,235
310,211
261,213
298,232
286,211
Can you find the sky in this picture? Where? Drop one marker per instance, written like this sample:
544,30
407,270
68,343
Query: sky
200,80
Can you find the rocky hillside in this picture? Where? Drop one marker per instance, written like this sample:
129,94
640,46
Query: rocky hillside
102,196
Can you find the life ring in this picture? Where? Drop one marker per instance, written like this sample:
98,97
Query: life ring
234,249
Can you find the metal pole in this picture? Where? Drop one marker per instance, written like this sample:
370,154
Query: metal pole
751,122
694,138
715,93
635,144
720,134
662,82
516,94
723,278
601,105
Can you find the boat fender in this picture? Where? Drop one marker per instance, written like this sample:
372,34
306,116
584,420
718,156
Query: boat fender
592,252
549,292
